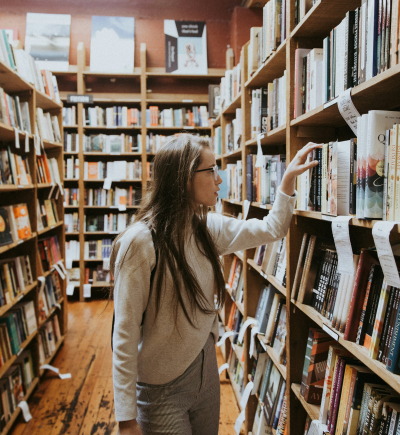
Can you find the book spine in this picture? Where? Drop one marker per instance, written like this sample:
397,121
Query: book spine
393,356
386,323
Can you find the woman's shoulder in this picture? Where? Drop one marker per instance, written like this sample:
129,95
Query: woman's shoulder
136,240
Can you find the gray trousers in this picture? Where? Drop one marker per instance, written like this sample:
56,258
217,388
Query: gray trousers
188,405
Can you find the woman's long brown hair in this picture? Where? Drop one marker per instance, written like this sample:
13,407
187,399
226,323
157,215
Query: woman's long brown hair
168,209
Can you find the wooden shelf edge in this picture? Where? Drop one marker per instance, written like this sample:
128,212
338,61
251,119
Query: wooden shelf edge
312,410
271,279
15,301
273,355
6,248
50,359
52,227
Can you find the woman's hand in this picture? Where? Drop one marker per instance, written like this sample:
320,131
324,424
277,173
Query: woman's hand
297,166
129,427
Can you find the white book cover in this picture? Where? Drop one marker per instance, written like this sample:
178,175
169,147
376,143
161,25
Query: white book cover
47,39
185,47
112,44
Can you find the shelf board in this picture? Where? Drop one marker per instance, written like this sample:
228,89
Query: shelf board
159,127
135,74
108,207
49,144
72,70
92,259
7,133
11,82
5,248
45,102
260,205
104,128
12,187
101,233
271,69
235,104
103,285
234,153
135,180
46,185
358,351
17,411
6,307
45,230
48,360
217,121
160,72
271,279
177,99
312,410
276,136
379,93
273,355
13,358
232,201
95,153
71,153
66,207
70,126
74,233
69,180
323,17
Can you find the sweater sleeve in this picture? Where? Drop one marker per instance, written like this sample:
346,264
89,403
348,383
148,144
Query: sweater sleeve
134,262
231,234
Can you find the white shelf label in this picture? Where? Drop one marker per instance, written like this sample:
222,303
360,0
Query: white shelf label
329,331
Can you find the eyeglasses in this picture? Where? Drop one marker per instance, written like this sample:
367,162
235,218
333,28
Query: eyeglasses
214,169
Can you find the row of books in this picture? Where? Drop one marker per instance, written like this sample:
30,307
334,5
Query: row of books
116,116
49,251
71,142
24,64
235,280
112,222
71,168
15,276
112,197
14,386
122,143
14,168
271,258
47,169
265,40
233,133
14,112
71,222
364,307
15,327
49,296
117,170
71,196
96,275
97,249
72,251
301,9
216,141
49,336
229,88
15,223
69,116
74,275
270,388
352,398
263,182
268,107
232,177
47,214
197,117
47,125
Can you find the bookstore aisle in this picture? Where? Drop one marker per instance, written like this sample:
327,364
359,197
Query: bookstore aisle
83,404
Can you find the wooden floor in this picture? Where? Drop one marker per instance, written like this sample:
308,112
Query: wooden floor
83,405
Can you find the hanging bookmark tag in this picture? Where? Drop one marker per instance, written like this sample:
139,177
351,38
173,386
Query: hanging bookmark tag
224,337
57,268
348,110
61,264
259,160
254,331
61,188
68,263
246,324
106,263
87,291
51,191
42,282
16,138
70,289
246,395
55,370
36,143
25,410
223,367
341,236
26,142
246,208
107,183
239,422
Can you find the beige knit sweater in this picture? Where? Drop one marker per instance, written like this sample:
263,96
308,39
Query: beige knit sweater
159,353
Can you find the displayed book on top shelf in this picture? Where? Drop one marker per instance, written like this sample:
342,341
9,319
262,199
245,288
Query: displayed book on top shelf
47,40
185,47
112,45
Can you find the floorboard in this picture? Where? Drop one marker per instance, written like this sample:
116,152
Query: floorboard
84,405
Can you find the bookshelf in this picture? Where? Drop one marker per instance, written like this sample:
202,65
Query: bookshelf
143,88
28,247
323,124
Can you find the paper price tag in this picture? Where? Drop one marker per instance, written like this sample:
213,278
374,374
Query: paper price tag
259,160
246,324
239,422
16,138
70,289
55,370
25,410
246,208
68,263
122,207
59,271
42,282
224,337
223,367
341,236
380,233
107,183
26,142
87,291
36,143
348,110
106,263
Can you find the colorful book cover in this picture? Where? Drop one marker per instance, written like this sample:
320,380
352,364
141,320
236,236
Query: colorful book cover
271,395
185,47
112,44
5,229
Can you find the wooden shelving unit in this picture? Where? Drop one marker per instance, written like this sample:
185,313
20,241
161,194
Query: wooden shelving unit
320,125
141,89
13,84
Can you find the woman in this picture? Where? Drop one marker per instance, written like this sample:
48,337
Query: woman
164,362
